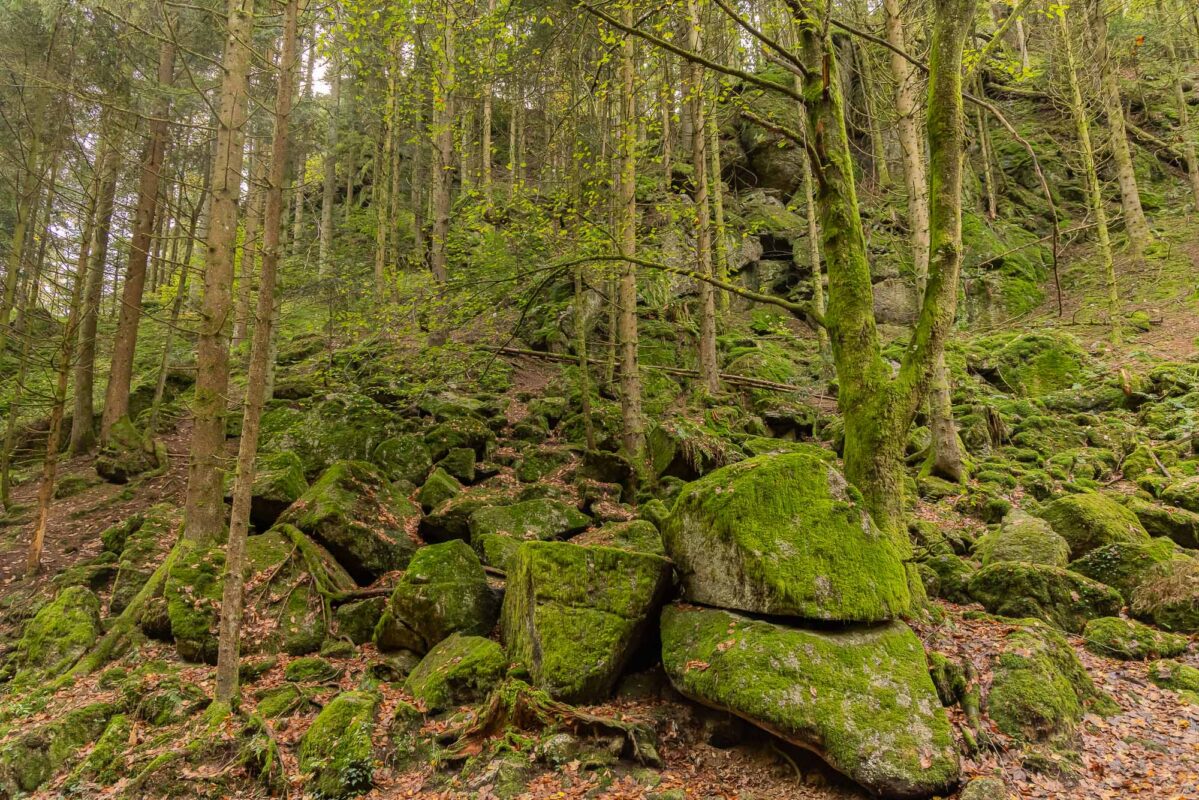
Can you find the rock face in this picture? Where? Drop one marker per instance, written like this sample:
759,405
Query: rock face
58,635
542,518
572,615
443,591
278,482
356,515
1058,596
861,698
1022,537
1183,493
337,748
1088,521
784,534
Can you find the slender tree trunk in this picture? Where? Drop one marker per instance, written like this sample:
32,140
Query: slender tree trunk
986,153
1139,236
626,213
380,193
443,166
1082,127
116,398
250,245
26,202
203,509
329,189
709,367
1180,103
83,415
229,640
818,301
723,267
666,99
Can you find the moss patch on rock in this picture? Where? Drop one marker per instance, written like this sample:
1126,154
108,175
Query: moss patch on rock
1130,640
1022,537
57,636
32,758
785,534
863,699
458,670
1091,520
443,591
541,518
1058,596
1126,565
338,747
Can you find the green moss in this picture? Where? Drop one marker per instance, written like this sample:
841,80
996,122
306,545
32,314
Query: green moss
469,432
128,454
1126,639
458,670
1126,565
1138,463
443,591
278,482
1039,689
1059,596
541,518
336,428
32,758
338,747
639,535
459,462
952,577
164,700
310,669
193,599
1183,493
1169,597
1178,524
57,636
1022,537
862,698
1032,364
357,619
497,550
404,458
1091,520
1172,675
143,550
451,519
572,615
438,487
788,535
105,764
360,518
280,701
113,538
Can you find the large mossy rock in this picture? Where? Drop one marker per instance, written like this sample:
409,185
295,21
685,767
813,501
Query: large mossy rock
404,458
785,534
338,749
542,519
1058,596
1183,493
32,758
1116,637
57,636
193,599
573,615
278,482
451,519
466,431
1169,596
1182,678
354,512
1039,688
128,453
1126,565
143,549
335,428
1022,537
1031,364
1091,520
458,670
1175,523
861,698
443,591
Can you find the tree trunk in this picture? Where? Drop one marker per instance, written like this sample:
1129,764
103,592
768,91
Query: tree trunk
203,509
1082,127
116,398
235,553
1137,227
1180,103
83,415
329,189
723,267
626,237
709,367
443,165
256,196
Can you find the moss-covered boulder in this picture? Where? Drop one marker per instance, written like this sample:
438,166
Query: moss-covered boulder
1169,596
105,764
863,698
142,551
952,574
1030,364
451,519
458,670
1183,493
357,620
1091,520
338,748
785,534
541,519
1022,537
352,510
334,428
1126,565
193,600
461,463
437,488
1039,688
128,453
573,615
636,534
1116,637
32,758
467,431
278,482
1182,678
443,591
985,788
57,636
1058,596
1161,520
403,458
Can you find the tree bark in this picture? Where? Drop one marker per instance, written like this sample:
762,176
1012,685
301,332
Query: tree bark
626,236
709,368
256,196
203,508
229,641
1180,103
329,189
116,397
443,165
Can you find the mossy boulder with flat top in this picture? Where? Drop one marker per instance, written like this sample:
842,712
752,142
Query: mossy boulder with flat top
572,614
1022,537
466,431
335,428
354,512
443,591
278,482
142,551
542,518
403,458
787,535
437,488
338,748
1126,565
1130,640
1182,678
1058,596
1170,521
1091,520
57,636
451,519
1039,689
128,454
1183,493
1031,364
458,670
861,698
